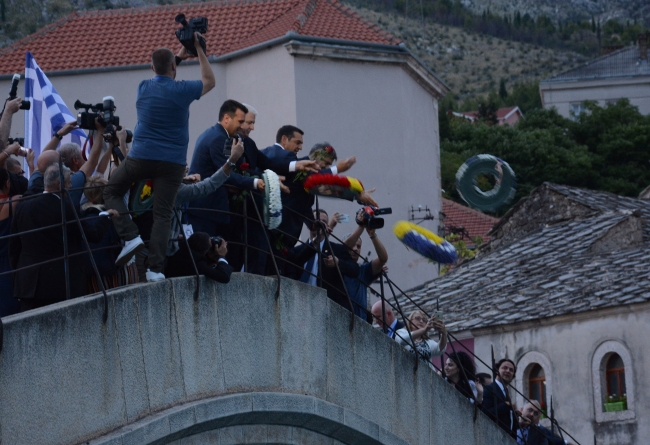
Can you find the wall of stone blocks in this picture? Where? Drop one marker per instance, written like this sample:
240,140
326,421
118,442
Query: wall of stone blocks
234,365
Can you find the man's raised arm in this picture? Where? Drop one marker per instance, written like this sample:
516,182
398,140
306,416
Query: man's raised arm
207,76
11,107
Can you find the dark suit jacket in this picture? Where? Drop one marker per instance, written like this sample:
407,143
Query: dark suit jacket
208,158
47,281
495,407
180,265
398,326
297,205
552,440
536,437
331,280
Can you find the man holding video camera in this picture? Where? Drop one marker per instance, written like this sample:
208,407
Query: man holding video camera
158,152
369,270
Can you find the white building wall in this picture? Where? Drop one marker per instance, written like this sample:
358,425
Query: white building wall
569,343
562,95
379,114
266,81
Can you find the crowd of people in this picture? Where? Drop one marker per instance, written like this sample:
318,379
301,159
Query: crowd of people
492,396
146,215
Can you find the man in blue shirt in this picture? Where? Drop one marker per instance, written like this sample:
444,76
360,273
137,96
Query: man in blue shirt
368,271
158,153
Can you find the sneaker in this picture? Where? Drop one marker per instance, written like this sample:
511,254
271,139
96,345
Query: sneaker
154,276
129,250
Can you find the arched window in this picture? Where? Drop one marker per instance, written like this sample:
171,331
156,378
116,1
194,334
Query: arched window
615,376
537,385
613,382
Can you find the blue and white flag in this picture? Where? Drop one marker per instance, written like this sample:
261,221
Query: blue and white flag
48,112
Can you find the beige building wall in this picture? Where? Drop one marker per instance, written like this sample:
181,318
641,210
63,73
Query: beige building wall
376,112
562,95
572,350
379,114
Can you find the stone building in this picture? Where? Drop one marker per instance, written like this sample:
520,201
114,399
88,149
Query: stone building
624,73
563,289
315,64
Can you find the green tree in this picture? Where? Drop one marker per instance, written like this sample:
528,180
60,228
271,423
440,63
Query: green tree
503,93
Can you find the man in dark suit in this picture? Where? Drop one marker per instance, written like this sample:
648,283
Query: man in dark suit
209,156
208,254
497,403
253,163
529,432
45,284
296,205
389,324
319,261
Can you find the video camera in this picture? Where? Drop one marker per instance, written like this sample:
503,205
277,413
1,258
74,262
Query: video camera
367,216
104,112
21,141
25,104
185,35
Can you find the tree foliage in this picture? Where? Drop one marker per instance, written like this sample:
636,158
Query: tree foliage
605,148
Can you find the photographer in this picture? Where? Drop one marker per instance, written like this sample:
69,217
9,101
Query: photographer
158,153
313,264
368,271
119,140
18,183
209,256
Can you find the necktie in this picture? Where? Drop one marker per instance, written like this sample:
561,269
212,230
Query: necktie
308,268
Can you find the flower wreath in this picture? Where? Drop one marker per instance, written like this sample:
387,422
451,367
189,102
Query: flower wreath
335,186
425,242
272,200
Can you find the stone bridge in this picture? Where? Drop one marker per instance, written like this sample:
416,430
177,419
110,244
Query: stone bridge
236,366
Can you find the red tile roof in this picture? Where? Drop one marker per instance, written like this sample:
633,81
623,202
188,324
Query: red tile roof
122,37
466,222
501,113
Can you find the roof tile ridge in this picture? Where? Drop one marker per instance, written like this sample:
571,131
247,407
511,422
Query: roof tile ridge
305,14
44,30
476,212
290,7
353,14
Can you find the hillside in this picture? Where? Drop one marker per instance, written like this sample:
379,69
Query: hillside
563,10
472,63
469,63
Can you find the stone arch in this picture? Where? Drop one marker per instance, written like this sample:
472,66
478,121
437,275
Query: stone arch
204,420
602,353
524,366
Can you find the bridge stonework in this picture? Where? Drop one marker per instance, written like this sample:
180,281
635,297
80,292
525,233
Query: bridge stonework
236,366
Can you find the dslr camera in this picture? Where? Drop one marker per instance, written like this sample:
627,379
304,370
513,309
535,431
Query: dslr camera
367,216
21,141
104,112
110,133
25,104
216,241
185,35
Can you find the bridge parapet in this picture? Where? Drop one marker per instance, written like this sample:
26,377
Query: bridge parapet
235,366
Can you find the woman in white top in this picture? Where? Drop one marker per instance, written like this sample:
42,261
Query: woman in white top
419,324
